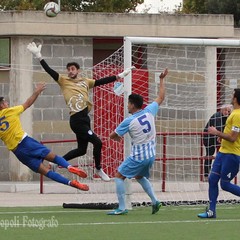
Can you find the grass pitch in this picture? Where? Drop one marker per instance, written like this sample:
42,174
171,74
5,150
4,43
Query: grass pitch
139,224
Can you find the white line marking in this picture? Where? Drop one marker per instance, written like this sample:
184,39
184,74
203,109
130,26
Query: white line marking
129,223
151,222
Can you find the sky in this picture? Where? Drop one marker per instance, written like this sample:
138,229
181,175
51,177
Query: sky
157,6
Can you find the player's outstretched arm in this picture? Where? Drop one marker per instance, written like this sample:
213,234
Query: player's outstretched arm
107,80
161,94
36,51
39,88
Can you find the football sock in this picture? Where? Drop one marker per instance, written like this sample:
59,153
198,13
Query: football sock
120,189
213,190
57,177
147,187
61,161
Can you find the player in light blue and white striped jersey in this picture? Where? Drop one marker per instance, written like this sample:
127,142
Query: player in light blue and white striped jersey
141,128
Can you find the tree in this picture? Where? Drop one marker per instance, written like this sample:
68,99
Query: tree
213,7
194,6
21,5
112,6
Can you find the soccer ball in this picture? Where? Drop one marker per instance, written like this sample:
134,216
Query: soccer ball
51,9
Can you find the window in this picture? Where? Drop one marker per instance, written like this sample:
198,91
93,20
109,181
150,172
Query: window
4,53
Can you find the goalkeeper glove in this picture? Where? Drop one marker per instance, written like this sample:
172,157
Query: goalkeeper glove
32,47
125,72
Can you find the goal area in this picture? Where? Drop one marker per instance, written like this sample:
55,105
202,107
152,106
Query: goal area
202,76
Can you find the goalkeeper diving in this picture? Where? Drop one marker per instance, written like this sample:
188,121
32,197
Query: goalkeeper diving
76,94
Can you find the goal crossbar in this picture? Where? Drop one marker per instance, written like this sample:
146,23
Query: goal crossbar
183,41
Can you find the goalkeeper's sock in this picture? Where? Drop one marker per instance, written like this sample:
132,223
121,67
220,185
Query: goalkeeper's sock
61,161
120,189
147,187
57,177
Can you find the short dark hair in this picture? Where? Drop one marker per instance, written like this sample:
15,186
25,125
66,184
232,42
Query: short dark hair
1,99
136,100
73,64
236,94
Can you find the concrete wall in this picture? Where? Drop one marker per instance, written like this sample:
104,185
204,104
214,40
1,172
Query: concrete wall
115,25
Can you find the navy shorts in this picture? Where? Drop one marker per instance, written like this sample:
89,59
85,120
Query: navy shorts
227,165
31,153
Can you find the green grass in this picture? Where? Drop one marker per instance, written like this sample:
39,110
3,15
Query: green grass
139,224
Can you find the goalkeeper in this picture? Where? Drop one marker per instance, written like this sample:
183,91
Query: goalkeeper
76,94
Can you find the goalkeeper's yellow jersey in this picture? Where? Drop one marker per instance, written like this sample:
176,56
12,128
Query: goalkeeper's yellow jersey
76,92
232,124
11,132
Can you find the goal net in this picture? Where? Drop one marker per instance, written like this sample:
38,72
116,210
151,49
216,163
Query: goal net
202,76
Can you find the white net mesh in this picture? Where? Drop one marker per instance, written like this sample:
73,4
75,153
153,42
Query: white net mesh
200,80
178,171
